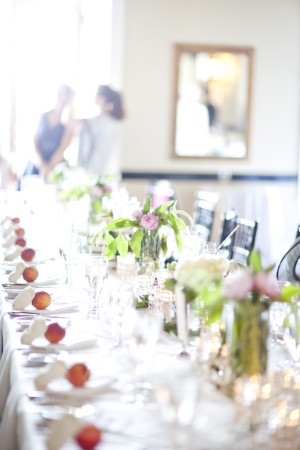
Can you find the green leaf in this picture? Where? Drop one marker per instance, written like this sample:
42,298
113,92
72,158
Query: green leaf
173,223
288,292
142,302
147,205
120,223
111,249
136,241
162,209
163,244
107,237
122,245
254,261
170,284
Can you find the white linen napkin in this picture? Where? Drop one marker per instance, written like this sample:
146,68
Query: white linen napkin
14,254
62,431
24,298
35,330
57,369
15,274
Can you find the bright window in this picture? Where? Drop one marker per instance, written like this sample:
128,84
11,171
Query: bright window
56,42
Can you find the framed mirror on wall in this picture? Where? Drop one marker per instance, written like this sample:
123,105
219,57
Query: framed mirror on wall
211,101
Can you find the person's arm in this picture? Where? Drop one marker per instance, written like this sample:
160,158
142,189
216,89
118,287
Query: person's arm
59,153
40,161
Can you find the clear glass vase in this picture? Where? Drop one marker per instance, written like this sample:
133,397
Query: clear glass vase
247,329
148,260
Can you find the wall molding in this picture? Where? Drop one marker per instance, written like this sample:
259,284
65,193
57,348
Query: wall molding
208,177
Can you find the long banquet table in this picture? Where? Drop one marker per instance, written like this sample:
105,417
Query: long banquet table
183,408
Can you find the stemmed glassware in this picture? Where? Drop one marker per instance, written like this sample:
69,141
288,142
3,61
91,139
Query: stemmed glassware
292,333
96,270
121,301
143,331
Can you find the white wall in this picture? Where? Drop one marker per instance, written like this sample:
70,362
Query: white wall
272,27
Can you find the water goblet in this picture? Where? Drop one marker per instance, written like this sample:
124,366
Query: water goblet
121,300
278,312
96,270
292,333
143,331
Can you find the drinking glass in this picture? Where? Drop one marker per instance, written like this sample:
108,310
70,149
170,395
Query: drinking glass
121,301
278,312
96,270
177,394
143,331
292,333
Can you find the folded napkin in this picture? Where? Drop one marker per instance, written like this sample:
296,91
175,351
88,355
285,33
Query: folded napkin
63,430
24,298
15,274
15,253
9,242
9,230
57,369
35,330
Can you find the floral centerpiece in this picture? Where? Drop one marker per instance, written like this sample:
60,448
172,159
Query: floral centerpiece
242,299
143,234
96,189
250,293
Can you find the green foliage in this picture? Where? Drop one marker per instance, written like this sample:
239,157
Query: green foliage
167,215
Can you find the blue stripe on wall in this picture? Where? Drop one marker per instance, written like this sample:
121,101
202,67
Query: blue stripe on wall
206,177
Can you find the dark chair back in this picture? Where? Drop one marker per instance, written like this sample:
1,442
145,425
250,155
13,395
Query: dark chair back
297,232
204,212
228,225
244,240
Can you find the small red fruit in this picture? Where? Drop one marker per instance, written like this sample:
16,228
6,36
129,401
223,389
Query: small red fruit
28,254
55,333
20,231
41,300
78,374
30,274
15,220
88,437
21,242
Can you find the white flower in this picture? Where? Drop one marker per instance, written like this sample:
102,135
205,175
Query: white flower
192,272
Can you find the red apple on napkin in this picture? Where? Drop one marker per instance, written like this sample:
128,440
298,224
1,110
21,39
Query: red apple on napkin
88,437
41,300
30,274
28,254
78,374
55,333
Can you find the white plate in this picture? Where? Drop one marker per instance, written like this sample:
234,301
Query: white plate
68,343
95,386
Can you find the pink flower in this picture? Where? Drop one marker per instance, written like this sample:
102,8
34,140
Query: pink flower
107,188
238,286
266,284
149,222
137,214
96,192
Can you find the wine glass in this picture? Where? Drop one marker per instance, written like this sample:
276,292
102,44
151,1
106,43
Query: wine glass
177,394
278,312
121,300
292,333
96,270
143,331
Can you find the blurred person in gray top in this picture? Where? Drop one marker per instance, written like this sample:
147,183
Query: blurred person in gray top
99,141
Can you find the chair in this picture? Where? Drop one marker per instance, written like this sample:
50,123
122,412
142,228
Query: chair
204,212
244,240
228,225
298,232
